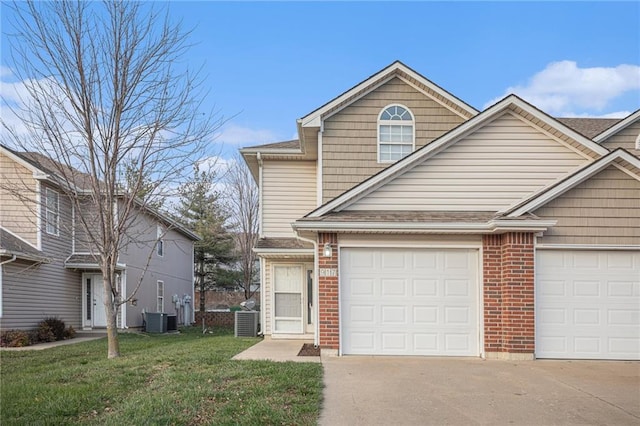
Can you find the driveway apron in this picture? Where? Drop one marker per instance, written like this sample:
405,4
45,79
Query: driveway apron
465,391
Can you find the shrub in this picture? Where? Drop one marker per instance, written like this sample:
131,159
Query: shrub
43,334
53,326
14,338
69,333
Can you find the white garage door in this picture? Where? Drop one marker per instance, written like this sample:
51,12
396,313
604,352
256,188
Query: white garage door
588,304
409,301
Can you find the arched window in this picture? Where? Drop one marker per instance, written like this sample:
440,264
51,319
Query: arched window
395,133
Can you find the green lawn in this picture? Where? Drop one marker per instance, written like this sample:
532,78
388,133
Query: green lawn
160,379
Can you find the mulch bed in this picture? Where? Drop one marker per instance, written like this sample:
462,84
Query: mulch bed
309,350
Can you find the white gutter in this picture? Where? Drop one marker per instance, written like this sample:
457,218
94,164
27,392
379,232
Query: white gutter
13,258
491,226
319,167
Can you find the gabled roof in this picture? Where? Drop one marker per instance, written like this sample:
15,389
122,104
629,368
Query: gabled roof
422,222
630,119
510,103
12,245
620,157
284,145
396,69
44,167
589,127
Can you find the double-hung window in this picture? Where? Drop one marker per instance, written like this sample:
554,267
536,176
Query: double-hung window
160,241
395,133
52,211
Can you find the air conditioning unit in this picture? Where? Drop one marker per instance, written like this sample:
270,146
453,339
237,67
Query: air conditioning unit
246,323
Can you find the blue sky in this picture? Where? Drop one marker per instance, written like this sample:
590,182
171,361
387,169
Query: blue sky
268,64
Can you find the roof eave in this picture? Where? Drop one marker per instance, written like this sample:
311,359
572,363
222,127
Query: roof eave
494,226
630,119
24,256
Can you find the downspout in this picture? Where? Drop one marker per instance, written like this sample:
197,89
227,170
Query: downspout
260,196
13,258
263,297
319,167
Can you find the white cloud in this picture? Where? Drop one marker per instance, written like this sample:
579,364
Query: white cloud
5,71
232,134
563,88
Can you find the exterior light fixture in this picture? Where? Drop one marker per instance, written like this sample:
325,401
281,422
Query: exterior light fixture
327,251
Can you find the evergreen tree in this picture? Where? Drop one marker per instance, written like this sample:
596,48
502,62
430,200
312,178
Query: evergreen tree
200,209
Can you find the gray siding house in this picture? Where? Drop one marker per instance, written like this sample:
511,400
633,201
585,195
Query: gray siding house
46,265
402,221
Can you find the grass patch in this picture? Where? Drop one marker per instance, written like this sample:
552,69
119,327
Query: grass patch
160,379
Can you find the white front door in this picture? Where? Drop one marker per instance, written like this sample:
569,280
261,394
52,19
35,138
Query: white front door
288,298
588,304
409,301
99,315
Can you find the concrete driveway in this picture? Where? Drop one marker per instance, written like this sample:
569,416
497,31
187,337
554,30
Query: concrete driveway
458,391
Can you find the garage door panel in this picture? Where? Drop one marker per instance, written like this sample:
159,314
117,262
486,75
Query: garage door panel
425,343
425,315
412,308
623,289
393,315
362,287
457,287
550,288
582,288
393,287
598,317
423,287
457,343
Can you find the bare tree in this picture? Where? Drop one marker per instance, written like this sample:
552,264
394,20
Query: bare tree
243,206
106,85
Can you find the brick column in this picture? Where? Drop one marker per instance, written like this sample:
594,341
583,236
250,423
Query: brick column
492,273
328,293
508,270
517,295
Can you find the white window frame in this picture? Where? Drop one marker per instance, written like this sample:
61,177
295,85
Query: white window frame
159,296
49,211
159,242
382,122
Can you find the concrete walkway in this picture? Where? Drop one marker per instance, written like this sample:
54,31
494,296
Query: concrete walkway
277,350
460,391
48,345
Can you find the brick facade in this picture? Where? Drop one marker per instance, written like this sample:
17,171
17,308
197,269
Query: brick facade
216,319
508,270
328,293
508,273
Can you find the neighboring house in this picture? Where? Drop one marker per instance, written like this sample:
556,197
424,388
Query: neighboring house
46,265
405,222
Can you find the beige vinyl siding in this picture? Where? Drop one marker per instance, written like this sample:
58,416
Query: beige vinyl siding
289,192
602,210
350,137
489,170
18,208
625,138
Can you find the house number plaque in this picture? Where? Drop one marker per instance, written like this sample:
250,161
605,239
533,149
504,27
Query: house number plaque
328,272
